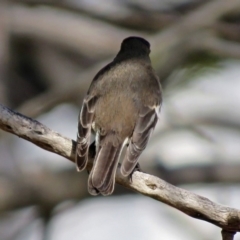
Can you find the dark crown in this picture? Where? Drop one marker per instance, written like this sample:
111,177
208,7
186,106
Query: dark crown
132,39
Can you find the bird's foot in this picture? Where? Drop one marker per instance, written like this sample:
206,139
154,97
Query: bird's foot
137,168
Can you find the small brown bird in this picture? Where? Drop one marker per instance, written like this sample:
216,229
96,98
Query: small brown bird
121,106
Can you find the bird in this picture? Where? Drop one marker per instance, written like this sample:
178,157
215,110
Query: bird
121,107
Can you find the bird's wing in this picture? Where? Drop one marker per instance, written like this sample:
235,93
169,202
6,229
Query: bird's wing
146,123
84,131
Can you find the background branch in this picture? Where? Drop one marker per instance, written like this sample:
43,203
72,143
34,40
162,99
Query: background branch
170,47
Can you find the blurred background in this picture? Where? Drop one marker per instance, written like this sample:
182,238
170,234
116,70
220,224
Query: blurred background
50,51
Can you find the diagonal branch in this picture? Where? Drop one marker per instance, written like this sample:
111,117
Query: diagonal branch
189,203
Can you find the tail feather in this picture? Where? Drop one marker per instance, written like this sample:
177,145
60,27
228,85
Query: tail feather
102,177
108,187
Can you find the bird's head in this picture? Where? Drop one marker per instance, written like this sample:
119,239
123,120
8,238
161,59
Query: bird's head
136,45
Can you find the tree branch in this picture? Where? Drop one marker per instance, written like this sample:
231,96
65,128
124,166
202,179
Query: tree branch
41,188
52,97
227,235
48,24
189,203
211,43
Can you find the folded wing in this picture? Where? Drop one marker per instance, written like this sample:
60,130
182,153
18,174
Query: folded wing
84,131
146,123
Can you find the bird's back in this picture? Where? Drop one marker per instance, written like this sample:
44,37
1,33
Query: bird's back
117,107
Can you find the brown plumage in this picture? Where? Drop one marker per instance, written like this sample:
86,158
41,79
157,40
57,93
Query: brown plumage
122,107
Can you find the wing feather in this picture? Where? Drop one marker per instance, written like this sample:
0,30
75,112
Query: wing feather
146,123
84,131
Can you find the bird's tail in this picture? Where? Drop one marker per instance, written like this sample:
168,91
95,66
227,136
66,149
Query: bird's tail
102,177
